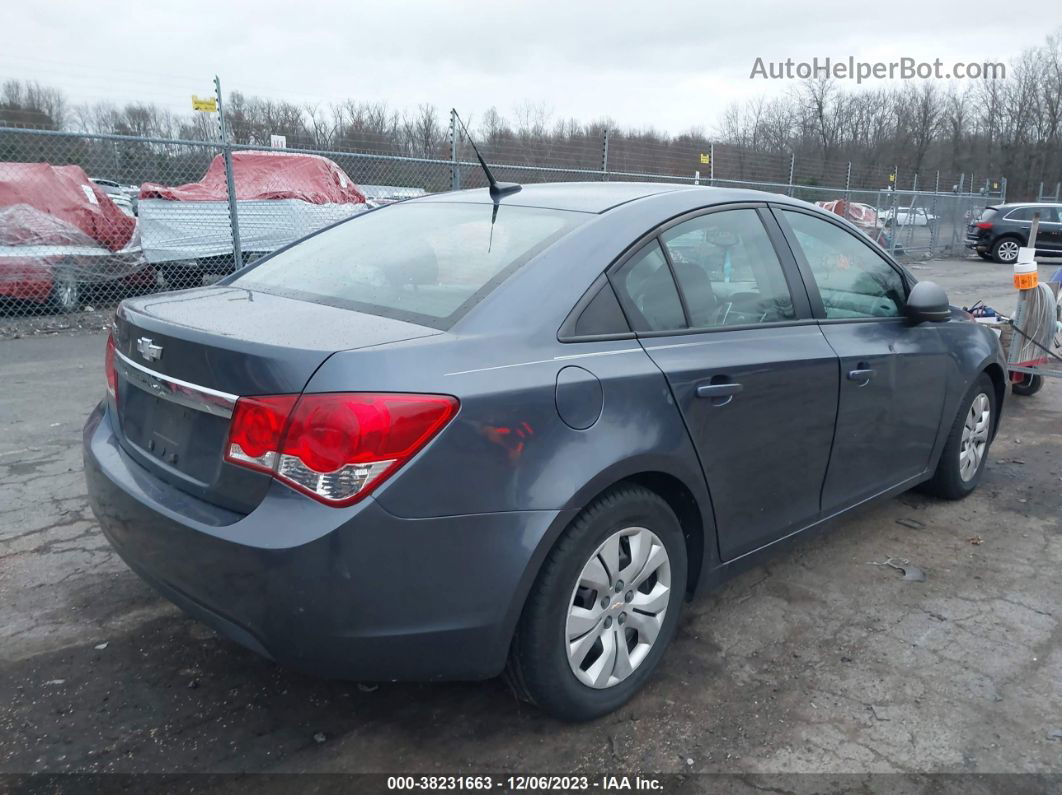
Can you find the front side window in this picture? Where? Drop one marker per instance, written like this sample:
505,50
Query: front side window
853,280
422,261
728,270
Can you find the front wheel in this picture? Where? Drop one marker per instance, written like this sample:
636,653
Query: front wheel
962,462
603,608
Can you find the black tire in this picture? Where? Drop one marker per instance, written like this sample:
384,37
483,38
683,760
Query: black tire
1028,386
947,482
1006,257
538,668
66,291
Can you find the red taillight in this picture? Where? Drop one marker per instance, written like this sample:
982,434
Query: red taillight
984,224
334,447
108,366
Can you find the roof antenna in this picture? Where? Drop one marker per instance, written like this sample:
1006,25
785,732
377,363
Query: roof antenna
497,189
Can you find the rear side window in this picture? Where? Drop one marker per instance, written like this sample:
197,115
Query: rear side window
1047,214
425,262
651,297
853,280
728,270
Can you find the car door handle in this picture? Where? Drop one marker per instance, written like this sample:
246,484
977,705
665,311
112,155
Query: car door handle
862,375
721,394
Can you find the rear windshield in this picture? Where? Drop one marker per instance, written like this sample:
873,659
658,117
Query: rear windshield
427,262
988,214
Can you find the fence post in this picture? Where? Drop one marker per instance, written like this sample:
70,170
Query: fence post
892,206
792,169
1040,193
711,163
848,182
962,182
1003,190
455,168
230,182
604,155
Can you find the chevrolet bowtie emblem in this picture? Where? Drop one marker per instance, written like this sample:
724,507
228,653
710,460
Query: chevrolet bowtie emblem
148,349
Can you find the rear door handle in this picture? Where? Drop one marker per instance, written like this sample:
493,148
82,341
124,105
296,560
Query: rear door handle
862,375
720,394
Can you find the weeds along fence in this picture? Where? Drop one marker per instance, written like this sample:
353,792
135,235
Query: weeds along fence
86,219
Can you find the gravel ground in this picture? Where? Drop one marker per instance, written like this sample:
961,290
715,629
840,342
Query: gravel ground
817,662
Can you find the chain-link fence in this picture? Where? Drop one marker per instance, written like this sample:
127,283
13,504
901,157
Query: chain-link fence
86,219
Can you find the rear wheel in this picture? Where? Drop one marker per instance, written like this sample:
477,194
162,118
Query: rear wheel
1005,250
1028,386
965,453
604,607
66,291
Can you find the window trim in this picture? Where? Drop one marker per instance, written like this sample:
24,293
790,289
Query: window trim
801,305
812,286
1033,207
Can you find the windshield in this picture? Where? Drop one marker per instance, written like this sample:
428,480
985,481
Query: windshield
427,262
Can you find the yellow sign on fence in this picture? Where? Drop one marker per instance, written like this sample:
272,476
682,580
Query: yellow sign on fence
705,159
206,105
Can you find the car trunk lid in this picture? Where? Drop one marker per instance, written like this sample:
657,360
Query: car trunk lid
184,358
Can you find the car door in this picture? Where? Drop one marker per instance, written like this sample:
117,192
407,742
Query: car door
893,374
730,326
1049,235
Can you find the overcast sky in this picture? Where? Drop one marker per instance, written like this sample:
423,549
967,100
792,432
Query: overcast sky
673,65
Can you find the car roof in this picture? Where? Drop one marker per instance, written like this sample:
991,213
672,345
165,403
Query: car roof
595,197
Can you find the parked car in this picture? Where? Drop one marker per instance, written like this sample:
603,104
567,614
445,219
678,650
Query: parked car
62,236
118,194
907,216
1003,228
469,433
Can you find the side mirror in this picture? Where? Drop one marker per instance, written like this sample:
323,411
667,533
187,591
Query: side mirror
928,303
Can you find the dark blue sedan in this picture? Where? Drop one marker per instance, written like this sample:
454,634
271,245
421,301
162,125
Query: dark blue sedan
473,433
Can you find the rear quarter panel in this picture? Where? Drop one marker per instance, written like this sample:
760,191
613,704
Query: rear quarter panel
508,448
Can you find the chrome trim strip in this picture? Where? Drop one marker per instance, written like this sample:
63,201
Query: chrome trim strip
193,396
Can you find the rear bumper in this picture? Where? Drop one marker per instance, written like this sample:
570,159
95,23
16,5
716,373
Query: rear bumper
352,593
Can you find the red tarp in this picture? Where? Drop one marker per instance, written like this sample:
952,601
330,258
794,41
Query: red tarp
63,194
266,175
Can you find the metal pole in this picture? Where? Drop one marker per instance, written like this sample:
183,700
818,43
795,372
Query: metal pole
1040,193
1058,186
895,212
604,155
230,182
455,169
792,169
711,163
848,182
1003,190
962,182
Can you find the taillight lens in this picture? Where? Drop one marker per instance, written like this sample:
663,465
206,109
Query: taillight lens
108,366
334,447
984,224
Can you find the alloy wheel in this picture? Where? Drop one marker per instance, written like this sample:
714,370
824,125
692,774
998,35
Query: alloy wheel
1008,250
66,291
975,432
617,607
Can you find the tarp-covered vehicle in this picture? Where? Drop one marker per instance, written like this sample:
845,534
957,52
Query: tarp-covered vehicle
280,197
60,233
